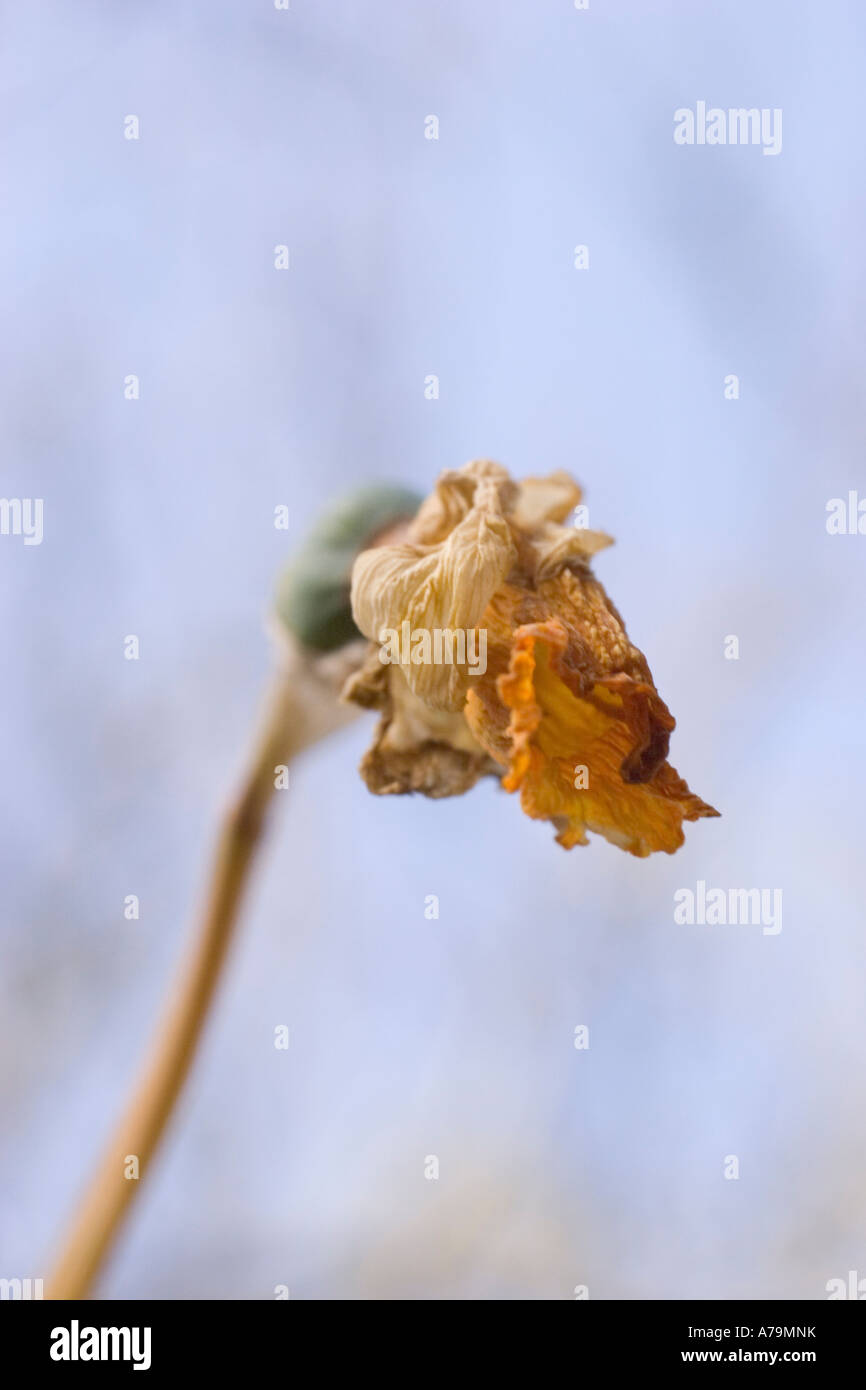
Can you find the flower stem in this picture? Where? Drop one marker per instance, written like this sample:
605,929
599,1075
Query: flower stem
111,1193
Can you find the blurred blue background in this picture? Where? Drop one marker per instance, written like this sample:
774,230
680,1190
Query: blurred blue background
454,257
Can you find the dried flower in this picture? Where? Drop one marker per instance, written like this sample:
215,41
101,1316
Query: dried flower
563,707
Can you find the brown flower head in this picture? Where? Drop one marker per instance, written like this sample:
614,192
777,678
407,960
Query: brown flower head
494,650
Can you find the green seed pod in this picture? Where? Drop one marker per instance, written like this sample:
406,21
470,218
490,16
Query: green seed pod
312,596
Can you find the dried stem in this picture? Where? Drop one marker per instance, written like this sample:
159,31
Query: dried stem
302,707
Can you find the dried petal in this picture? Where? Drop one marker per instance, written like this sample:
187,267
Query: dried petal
415,749
443,585
571,755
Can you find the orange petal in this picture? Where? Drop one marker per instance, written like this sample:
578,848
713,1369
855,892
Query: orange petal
533,721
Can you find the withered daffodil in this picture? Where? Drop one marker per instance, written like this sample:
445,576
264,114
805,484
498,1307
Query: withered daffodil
495,650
